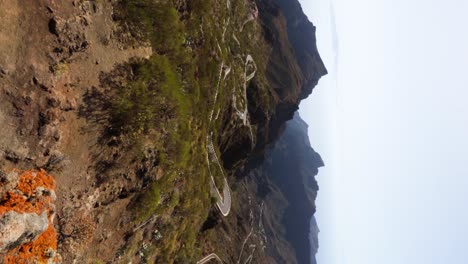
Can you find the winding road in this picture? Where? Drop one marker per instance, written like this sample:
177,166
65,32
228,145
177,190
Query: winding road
208,258
223,201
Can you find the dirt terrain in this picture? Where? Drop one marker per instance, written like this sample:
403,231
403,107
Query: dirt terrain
52,53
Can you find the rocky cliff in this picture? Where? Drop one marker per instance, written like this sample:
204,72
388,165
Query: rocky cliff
292,70
274,204
293,164
274,188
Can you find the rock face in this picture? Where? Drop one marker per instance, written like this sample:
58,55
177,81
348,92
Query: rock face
293,69
279,186
290,169
27,211
313,239
274,188
272,219
301,34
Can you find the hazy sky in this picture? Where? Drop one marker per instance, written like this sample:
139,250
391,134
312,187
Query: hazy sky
392,126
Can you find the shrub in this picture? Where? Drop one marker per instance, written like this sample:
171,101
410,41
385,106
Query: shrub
148,202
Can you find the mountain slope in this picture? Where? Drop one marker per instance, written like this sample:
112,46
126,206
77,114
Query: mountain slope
139,107
291,166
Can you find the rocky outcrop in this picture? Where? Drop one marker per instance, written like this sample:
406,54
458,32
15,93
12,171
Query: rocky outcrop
289,171
313,239
272,217
274,189
301,35
293,69
27,211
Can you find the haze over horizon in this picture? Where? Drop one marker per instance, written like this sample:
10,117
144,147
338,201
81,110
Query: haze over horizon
389,121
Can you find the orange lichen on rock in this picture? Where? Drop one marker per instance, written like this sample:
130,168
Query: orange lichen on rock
24,199
33,194
38,251
31,180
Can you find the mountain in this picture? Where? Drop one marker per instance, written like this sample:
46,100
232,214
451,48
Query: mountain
293,167
293,68
274,205
130,124
289,189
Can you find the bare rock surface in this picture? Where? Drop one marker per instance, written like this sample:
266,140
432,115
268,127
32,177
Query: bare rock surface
18,229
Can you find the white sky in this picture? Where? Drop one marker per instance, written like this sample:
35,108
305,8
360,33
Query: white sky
392,127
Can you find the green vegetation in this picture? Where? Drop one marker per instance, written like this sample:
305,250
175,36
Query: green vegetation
156,21
149,202
140,104
165,104
60,68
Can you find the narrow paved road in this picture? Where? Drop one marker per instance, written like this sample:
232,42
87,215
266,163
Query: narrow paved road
223,202
208,258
